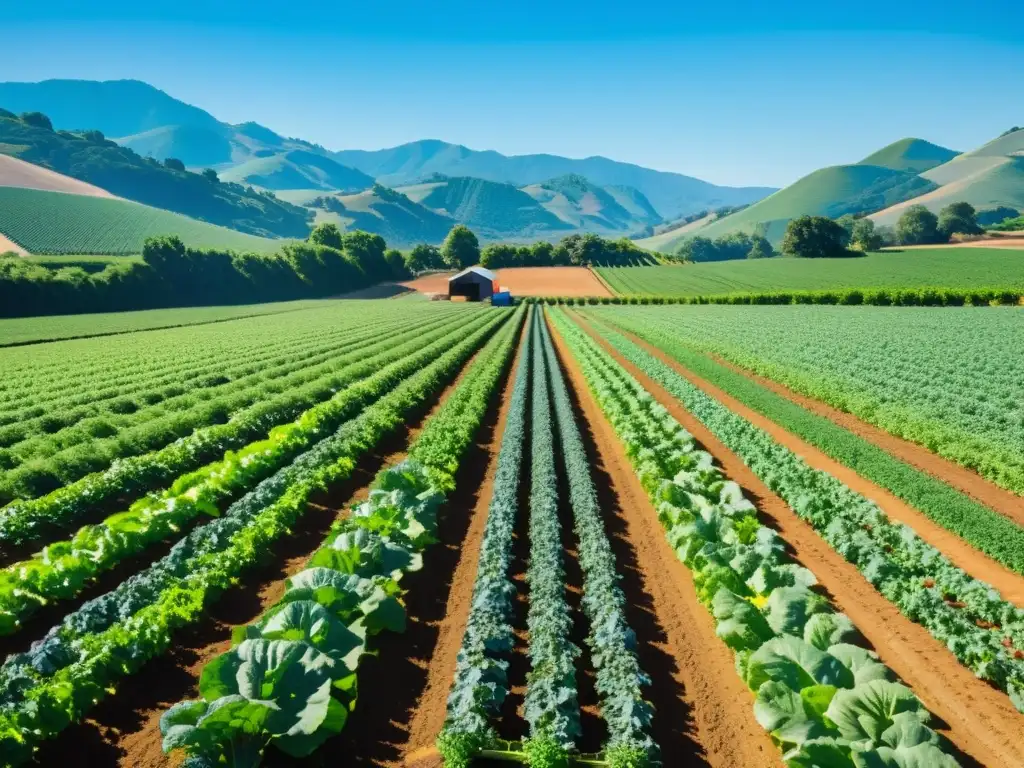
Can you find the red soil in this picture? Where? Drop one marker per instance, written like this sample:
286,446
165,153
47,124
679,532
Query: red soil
978,720
18,173
527,281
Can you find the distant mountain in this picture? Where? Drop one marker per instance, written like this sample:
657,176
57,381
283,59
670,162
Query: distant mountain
91,158
496,210
671,194
583,205
298,169
913,155
991,176
194,145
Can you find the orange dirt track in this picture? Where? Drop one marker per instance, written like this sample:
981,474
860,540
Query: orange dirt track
527,281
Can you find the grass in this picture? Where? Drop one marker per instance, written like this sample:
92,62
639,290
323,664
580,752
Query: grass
33,330
975,523
54,223
937,268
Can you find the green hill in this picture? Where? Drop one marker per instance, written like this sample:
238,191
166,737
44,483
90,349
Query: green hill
91,157
298,169
583,205
913,155
988,177
832,191
58,223
193,145
495,210
380,210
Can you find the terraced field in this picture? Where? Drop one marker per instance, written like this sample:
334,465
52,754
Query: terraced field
401,533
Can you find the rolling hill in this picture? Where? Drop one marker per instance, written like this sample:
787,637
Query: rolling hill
192,144
45,222
988,177
671,194
583,205
832,191
18,173
913,155
495,210
298,169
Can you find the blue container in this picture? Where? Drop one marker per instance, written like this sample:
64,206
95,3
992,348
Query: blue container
502,299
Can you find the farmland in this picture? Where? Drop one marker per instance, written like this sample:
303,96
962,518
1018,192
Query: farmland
45,222
601,535
946,267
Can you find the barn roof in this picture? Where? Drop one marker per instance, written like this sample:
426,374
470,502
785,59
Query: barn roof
486,273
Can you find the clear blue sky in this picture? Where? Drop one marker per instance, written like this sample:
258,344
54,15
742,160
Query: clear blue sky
734,92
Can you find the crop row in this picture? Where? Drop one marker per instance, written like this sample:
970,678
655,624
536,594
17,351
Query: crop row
301,656
984,631
80,661
92,444
823,697
63,569
23,521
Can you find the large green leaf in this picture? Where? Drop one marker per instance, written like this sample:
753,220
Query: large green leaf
786,715
789,608
740,624
798,664
820,753
869,710
863,663
920,756
824,630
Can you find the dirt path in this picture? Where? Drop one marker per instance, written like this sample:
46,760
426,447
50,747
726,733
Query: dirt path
124,730
962,554
415,668
704,712
964,480
979,720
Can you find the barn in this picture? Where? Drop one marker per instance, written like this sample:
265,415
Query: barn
475,283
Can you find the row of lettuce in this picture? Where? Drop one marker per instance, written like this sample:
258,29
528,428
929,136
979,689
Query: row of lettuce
879,297
824,698
62,569
290,678
81,660
979,626
551,706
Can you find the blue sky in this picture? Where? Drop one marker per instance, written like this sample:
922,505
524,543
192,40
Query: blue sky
732,92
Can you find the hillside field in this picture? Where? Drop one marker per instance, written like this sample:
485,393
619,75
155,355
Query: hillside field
245,521
941,267
58,223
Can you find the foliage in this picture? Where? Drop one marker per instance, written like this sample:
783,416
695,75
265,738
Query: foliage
815,237
735,245
90,157
1011,225
460,249
864,236
995,218
424,257
918,226
958,218
955,608
815,686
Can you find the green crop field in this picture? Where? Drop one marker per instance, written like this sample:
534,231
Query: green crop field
58,223
938,267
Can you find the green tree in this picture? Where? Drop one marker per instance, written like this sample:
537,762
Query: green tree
37,120
424,257
761,249
542,254
211,176
499,255
847,221
327,234
396,264
814,237
917,226
864,236
958,219
174,164
460,249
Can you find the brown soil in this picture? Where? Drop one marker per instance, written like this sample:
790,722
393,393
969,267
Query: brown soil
18,173
9,246
527,281
959,552
704,712
416,667
124,729
978,720
1015,240
964,480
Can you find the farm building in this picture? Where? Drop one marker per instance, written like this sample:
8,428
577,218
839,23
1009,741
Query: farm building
475,283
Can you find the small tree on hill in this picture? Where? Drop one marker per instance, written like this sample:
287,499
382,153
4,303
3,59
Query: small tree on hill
327,234
461,249
211,176
174,164
958,218
37,120
917,226
814,237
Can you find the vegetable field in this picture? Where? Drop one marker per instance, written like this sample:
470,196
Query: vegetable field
401,533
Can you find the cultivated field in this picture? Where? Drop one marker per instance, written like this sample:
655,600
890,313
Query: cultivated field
410,533
528,281
946,267
18,173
